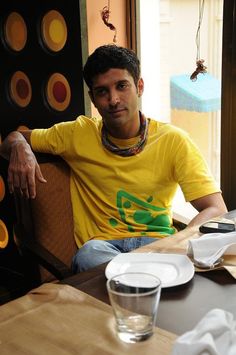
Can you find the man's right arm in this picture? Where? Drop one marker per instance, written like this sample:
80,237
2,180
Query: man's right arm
23,167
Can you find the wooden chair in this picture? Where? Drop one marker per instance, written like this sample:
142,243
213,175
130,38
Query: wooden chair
44,228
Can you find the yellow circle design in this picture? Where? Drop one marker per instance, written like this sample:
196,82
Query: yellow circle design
3,235
54,31
15,31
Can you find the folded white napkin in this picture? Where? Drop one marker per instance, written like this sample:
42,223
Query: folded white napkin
215,334
210,247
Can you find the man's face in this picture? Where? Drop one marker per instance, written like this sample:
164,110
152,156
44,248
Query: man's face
115,96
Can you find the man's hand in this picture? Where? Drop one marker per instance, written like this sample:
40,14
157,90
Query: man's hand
23,168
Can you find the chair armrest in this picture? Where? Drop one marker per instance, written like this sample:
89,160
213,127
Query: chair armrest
44,257
179,221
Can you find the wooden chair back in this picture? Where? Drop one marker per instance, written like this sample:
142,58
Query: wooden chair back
45,230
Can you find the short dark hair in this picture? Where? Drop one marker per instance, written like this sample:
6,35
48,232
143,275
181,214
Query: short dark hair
111,56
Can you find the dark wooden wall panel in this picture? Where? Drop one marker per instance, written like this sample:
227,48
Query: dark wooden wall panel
228,110
38,64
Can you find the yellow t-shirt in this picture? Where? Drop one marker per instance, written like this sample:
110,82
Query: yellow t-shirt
114,197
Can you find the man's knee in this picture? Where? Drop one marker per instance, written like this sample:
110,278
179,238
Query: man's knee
91,254
91,245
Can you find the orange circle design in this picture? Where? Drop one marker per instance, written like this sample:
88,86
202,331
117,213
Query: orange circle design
15,31
22,128
54,30
20,89
2,189
58,92
3,235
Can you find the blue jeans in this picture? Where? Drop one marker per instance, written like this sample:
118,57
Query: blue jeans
96,252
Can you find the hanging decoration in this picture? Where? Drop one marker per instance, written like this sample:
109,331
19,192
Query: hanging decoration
201,68
105,13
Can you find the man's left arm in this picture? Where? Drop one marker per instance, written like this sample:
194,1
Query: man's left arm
208,206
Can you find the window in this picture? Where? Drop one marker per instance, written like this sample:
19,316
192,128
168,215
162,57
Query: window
169,27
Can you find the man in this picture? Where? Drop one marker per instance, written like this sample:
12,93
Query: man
125,168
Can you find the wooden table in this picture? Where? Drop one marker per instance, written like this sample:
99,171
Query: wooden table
181,307
70,321
59,319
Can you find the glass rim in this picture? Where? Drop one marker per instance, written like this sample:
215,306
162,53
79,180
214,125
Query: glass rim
153,288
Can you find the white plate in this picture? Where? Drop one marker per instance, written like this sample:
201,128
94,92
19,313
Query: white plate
172,269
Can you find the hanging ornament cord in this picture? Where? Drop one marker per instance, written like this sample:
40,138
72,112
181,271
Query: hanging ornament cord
201,68
105,13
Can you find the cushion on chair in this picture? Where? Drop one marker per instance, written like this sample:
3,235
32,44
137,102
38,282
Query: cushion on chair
52,213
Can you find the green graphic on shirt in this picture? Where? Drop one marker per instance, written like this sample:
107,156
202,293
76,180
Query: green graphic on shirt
133,211
113,222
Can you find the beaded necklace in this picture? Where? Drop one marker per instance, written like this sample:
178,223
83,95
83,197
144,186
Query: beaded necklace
136,148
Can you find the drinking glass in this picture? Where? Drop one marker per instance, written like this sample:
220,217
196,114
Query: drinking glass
134,297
